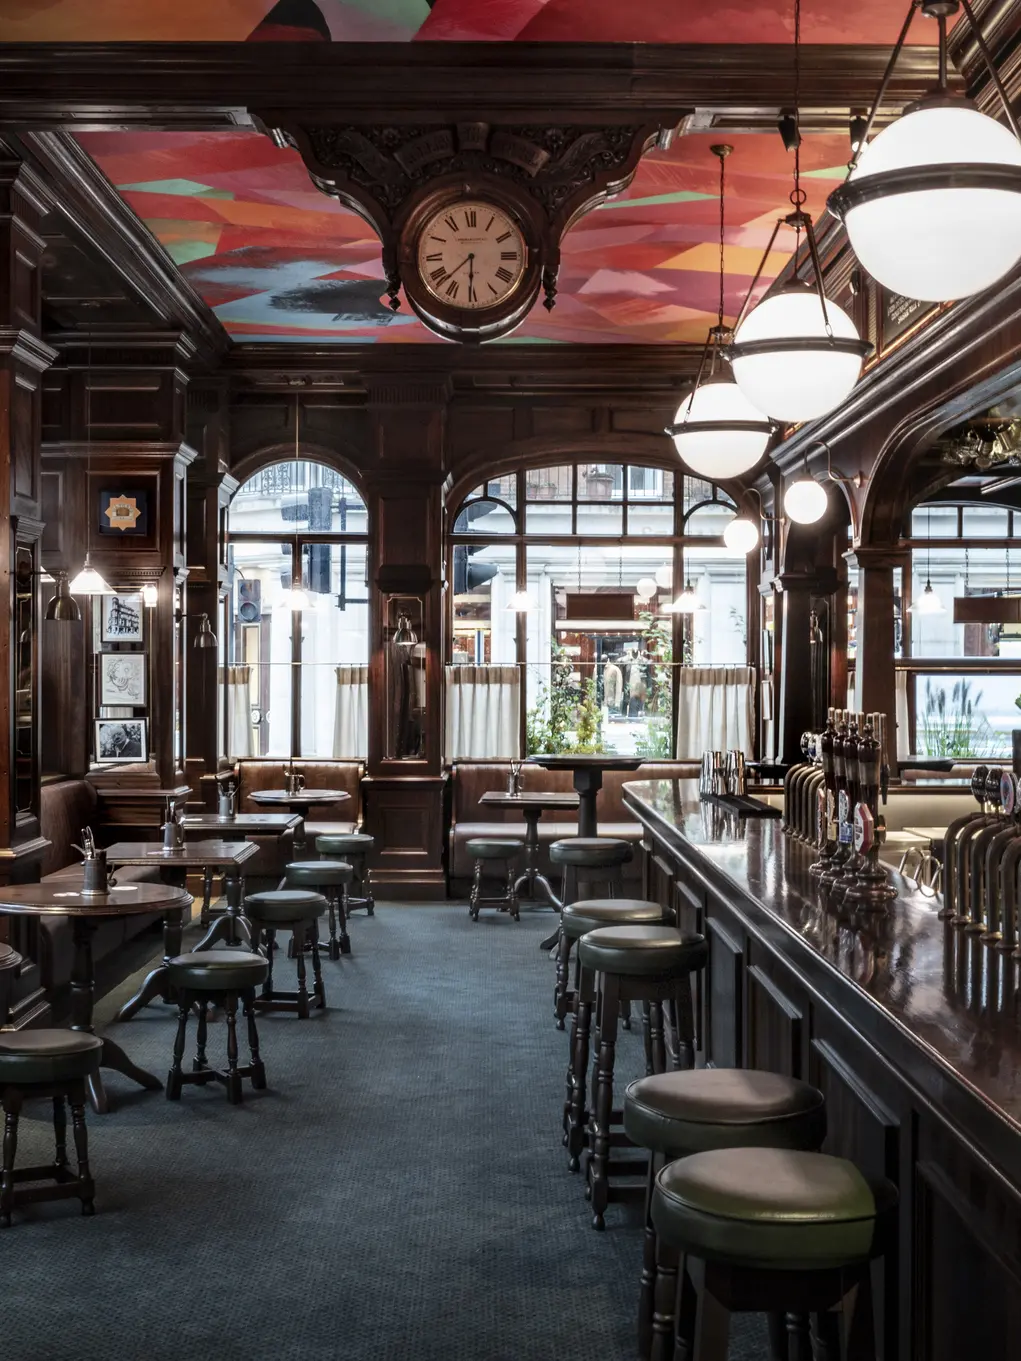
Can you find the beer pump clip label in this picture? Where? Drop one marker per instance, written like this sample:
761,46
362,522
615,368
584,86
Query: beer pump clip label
844,817
864,829
1008,792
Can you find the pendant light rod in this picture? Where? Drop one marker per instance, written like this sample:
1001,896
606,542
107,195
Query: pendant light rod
987,57
884,85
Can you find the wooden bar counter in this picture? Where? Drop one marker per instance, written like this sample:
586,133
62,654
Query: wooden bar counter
911,1028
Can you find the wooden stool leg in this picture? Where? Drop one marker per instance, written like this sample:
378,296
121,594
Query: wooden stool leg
318,988
560,987
207,895
825,1337
684,1023
365,885
603,1104
647,1037
271,944
712,1327
258,1068
860,1328
332,918
60,1132
685,1308
12,1110
579,1078
657,1047
343,912
86,1187
513,906
298,936
669,1268
175,1076
648,1278
777,1327
202,1034
799,1344
230,1006
475,897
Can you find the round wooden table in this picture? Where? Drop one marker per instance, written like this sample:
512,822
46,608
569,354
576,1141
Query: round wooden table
302,801
588,780
86,910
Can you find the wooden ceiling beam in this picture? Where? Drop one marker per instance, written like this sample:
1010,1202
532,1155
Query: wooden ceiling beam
213,85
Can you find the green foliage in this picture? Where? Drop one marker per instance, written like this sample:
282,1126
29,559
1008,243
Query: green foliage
547,723
589,724
656,743
954,728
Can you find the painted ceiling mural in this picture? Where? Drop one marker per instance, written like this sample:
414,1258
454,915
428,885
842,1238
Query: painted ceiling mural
278,260
661,21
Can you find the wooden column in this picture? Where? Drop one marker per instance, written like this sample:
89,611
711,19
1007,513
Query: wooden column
793,712
23,359
875,674
404,794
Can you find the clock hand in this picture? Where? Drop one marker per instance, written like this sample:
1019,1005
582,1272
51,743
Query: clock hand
451,272
471,277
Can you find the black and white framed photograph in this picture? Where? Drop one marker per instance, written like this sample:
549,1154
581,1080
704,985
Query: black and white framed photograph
122,619
121,739
122,678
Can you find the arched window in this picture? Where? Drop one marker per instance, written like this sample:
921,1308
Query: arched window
563,578
295,665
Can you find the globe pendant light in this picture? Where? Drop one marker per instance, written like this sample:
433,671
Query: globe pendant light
741,535
717,432
796,355
932,207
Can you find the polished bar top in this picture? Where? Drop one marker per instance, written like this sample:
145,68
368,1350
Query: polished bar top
941,987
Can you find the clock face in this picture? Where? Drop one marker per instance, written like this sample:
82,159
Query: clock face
471,255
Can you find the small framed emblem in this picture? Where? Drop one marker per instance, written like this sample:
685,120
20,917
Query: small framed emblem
124,513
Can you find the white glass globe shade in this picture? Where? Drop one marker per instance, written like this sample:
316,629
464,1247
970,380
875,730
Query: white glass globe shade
741,535
522,602
795,384
646,588
938,244
719,454
664,576
804,501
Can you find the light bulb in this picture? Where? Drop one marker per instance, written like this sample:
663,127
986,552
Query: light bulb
928,602
808,375
297,598
718,433
805,501
664,576
741,535
944,219
646,588
522,602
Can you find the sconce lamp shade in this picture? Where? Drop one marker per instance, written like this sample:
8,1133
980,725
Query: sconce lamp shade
717,432
63,607
786,363
741,535
933,207
205,636
150,594
805,501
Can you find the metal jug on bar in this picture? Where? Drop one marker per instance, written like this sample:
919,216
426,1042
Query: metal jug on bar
173,830
95,876
225,800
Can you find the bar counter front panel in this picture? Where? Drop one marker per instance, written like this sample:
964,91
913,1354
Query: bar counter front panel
910,1027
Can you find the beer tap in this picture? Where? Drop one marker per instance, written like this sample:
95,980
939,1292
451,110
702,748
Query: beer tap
828,836
869,887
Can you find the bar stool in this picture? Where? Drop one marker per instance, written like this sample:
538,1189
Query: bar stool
504,851
772,1229
40,1063
299,910
580,859
577,919
354,848
648,964
677,1114
220,977
326,877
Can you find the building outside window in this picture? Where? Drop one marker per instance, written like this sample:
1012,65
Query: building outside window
596,553
295,680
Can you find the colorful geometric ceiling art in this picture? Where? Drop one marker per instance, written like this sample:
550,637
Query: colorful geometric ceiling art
652,21
277,260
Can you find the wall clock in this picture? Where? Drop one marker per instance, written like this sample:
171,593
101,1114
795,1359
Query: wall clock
470,263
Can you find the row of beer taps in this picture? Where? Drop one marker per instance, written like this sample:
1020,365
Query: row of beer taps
981,860
832,801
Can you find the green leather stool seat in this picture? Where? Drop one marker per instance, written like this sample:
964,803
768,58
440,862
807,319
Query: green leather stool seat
775,1208
47,1056
637,951
350,843
313,873
592,913
217,971
591,852
681,1113
493,848
285,906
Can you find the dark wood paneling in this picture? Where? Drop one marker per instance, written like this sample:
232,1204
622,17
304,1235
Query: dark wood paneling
725,995
775,1023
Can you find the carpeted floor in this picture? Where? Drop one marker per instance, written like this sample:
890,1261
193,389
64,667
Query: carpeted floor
398,1194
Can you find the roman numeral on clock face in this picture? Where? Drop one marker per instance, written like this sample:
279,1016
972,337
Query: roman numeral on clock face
452,288
451,222
438,274
504,274
469,217
508,255
504,236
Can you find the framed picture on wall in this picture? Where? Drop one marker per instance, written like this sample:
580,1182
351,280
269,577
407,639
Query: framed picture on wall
119,740
122,678
122,619
124,513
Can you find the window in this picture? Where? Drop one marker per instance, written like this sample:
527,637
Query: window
598,552
295,682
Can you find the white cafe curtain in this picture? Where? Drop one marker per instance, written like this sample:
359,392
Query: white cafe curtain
901,717
240,738
351,724
483,708
714,710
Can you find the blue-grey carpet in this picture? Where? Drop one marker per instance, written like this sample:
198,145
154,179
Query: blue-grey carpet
399,1193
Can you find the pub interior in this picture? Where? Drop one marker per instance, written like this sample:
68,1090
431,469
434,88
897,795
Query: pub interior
510,826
